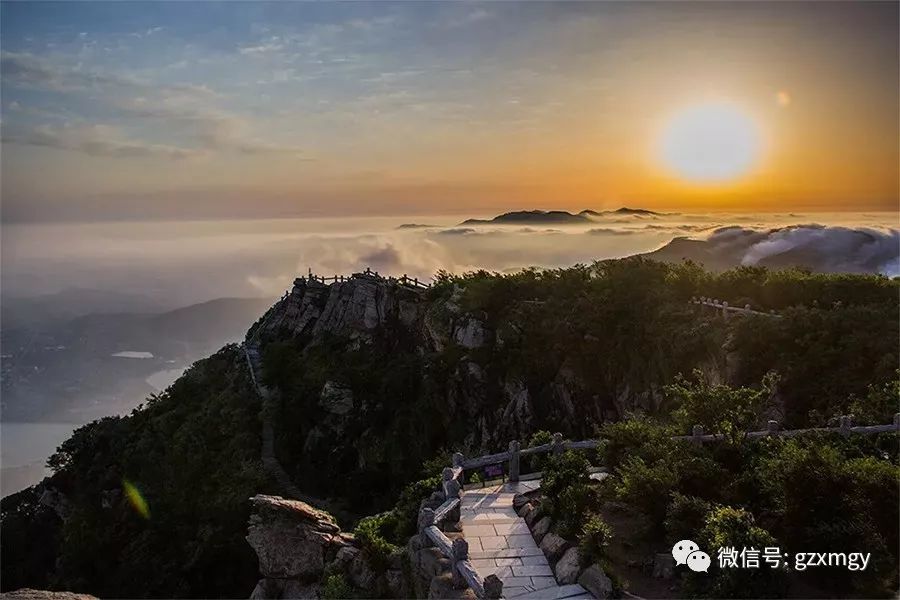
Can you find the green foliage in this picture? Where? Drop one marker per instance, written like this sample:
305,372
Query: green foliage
719,409
372,532
192,453
595,537
731,527
406,510
536,462
824,357
336,587
879,405
685,516
634,437
568,497
827,501
646,487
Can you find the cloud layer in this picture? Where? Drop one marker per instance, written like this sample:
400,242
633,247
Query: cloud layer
194,261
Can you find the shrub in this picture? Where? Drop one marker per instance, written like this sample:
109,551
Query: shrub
718,408
646,487
406,510
536,462
735,528
595,537
685,517
335,587
633,437
567,495
371,533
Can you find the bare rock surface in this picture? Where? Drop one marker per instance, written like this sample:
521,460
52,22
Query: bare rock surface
594,580
291,538
32,594
568,568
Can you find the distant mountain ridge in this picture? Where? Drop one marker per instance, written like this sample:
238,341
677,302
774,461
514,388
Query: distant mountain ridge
559,217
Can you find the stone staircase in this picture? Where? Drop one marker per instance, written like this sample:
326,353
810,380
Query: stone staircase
500,543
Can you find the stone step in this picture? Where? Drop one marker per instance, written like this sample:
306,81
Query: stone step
507,553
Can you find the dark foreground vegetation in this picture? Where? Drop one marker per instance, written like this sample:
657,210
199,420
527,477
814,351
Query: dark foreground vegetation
614,349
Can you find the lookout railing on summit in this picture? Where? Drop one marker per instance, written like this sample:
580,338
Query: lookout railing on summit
722,306
405,280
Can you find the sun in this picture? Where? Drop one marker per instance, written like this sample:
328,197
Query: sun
710,143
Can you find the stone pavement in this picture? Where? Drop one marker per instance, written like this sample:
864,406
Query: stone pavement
500,543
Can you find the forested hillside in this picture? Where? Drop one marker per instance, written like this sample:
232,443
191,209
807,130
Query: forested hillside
377,384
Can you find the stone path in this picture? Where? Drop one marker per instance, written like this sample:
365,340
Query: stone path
500,543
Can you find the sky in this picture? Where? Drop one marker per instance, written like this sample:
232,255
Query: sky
159,110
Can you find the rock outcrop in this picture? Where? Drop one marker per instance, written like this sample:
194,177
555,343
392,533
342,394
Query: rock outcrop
30,594
294,542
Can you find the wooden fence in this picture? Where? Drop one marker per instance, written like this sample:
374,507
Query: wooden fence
722,306
405,280
458,550
558,445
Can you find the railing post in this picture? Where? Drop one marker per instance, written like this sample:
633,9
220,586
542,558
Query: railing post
558,447
698,434
458,459
846,424
493,587
897,421
459,551
451,488
426,519
725,310
514,448
772,426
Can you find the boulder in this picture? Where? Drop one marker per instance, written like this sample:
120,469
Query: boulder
345,556
525,510
291,538
541,528
520,500
32,594
294,589
336,399
395,583
361,574
470,334
442,587
534,516
663,566
553,547
594,580
568,568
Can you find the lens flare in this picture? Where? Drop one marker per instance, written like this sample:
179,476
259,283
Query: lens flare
136,499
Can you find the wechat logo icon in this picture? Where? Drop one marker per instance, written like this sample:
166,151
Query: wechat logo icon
688,553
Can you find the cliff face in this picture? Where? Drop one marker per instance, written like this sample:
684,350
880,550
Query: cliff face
373,377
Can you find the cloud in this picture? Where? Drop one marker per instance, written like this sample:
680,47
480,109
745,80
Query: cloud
457,231
827,248
609,231
21,69
95,140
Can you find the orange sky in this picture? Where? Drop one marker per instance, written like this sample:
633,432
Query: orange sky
116,111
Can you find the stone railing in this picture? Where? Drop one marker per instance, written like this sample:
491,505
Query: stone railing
429,525
405,280
558,445
722,306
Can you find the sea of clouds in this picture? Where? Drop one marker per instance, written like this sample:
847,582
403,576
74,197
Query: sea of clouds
183,262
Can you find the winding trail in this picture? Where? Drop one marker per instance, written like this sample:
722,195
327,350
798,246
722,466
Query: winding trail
267,455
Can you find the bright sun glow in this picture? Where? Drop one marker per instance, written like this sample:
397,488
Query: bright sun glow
710,143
